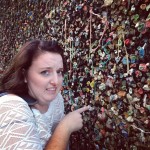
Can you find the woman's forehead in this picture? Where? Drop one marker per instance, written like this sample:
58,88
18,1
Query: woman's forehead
48,59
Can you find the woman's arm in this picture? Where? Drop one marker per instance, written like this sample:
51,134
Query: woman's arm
70,123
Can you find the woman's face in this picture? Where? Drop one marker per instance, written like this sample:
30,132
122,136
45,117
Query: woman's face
45,77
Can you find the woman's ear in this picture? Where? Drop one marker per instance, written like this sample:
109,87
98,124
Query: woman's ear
24,75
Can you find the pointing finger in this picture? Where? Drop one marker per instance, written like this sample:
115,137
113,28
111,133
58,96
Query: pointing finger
80,110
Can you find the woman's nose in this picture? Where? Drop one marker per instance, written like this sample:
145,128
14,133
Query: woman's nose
54,79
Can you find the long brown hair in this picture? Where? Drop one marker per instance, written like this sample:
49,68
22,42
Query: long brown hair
12,80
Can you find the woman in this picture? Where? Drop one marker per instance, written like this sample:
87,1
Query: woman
31,106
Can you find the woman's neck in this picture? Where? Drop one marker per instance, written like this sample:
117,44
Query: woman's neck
42,108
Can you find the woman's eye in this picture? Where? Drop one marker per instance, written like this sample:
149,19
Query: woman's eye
60,72
45,73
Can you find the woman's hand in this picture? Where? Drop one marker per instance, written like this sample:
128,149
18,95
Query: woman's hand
73,121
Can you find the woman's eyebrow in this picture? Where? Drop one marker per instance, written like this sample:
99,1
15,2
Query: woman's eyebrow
51,68
46,68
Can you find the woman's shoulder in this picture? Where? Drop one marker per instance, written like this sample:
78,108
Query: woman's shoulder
6,98
14,104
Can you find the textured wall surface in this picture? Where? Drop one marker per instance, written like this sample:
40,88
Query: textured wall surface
107,48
